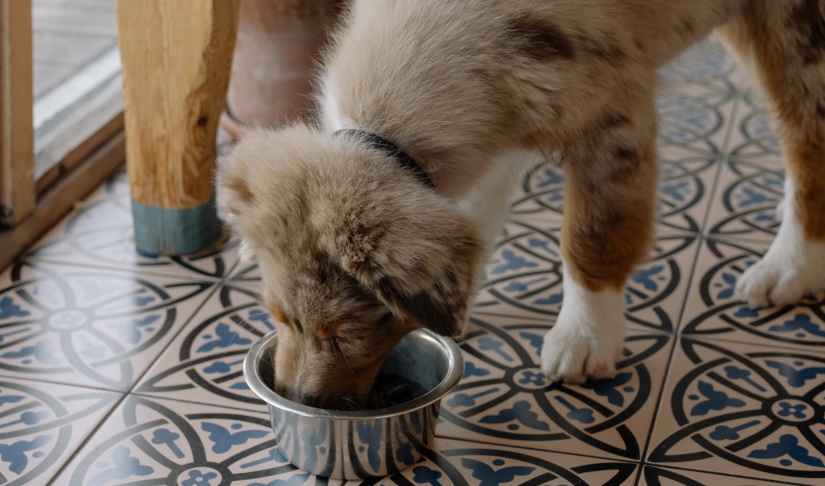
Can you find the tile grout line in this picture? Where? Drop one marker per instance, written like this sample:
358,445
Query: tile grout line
217,286
723,474
481,441
195,402
693,275
145,271
87,439
125,395
722,158
677,332
215,283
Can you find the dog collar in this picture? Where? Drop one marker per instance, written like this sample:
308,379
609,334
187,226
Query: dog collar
392,150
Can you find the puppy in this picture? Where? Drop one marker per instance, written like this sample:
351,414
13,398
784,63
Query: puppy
379,219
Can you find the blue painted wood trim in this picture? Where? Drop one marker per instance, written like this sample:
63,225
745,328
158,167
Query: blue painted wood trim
164,231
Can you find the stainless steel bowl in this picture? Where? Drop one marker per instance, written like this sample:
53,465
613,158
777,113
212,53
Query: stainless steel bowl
361,444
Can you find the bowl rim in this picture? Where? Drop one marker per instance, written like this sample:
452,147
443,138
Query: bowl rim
455,370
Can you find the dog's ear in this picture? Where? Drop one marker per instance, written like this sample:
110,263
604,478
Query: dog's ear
435,291
420,260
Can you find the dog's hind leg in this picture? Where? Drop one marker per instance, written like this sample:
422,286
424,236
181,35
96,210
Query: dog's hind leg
783,44
610,189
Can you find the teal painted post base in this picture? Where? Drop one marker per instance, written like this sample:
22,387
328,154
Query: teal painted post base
164,231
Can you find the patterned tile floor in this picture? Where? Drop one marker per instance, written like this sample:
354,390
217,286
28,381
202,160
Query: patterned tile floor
122,369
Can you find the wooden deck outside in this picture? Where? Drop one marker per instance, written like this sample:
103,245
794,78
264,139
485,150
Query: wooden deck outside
68,36
77,83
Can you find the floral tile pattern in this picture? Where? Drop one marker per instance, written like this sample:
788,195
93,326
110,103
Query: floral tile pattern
752,137
524,277
746,202
504,398
713,312
42,424
181,444
754,410
118,368
204,363
456,462
662,476
89,326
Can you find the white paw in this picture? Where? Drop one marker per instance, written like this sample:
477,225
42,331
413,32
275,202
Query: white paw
573,356
782,278
586,341
792,268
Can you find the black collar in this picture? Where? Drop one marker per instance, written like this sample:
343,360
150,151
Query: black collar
392,150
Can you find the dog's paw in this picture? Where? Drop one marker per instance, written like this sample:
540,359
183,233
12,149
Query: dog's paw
586,341
574,356
783,277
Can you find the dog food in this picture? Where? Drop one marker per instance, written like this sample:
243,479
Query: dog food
390,390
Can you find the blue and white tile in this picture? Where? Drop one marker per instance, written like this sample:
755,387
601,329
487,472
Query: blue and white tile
695,119
752,137
89,326
247,275
461,463
504,398
151,441
540,194
99,232
664,476
712,310
707,64
753,411
43,424
697,99
204,362
685,180
524,278
170,442
745,201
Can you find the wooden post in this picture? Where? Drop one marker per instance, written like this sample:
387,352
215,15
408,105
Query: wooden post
176,57
17,183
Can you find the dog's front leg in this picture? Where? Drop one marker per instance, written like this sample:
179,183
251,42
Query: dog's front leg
784,57
608,218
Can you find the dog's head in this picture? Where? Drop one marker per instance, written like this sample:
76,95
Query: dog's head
354,253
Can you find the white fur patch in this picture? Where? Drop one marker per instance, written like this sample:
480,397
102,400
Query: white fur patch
587,338
488,201
246,254
792,267
331,115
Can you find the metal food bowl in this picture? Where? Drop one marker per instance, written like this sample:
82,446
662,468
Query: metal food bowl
361,444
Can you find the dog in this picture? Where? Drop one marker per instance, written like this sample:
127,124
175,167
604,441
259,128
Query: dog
378,218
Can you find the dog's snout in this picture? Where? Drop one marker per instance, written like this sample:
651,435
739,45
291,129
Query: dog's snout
331,402
310,399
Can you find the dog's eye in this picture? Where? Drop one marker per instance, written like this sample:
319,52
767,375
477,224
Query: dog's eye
275,310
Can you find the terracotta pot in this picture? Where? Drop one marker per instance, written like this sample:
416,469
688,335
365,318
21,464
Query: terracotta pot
278,44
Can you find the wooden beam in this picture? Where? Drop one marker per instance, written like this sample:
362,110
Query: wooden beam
176,57
17,184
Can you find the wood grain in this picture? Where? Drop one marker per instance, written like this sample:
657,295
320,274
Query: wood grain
17,184
75,185
176,57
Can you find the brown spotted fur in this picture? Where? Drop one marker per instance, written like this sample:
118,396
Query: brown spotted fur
354,253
